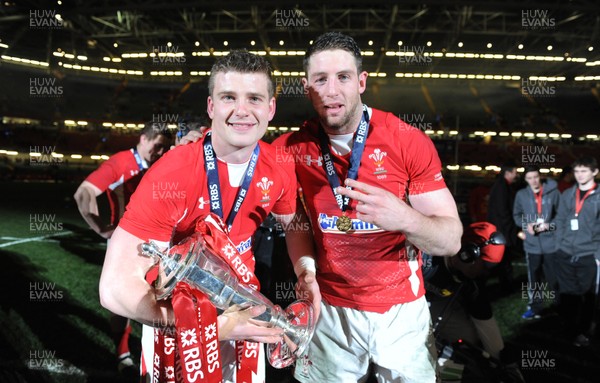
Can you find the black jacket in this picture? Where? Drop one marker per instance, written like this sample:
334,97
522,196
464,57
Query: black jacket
500,210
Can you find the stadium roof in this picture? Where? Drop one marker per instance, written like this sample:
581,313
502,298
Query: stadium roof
510,38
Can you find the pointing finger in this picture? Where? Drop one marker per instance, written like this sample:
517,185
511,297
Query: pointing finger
365,188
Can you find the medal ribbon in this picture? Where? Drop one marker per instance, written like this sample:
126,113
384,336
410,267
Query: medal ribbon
358,147
214,189
538,200
578,203
138,160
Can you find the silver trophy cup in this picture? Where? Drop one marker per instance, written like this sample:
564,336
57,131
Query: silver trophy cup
194,263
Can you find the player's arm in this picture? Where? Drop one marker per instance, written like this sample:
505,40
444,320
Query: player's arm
506,219
85,197
125,292
519,216
300,246
430,223
562,217
518,211
123,287
437,228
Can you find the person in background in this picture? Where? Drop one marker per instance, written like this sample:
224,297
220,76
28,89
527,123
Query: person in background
578,256
535,211
477,204
566,179
118,177
500,208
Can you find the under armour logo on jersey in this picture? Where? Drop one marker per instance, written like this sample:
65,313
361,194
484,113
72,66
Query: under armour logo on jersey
202,202
309,160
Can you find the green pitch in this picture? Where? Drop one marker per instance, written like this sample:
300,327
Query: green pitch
53,329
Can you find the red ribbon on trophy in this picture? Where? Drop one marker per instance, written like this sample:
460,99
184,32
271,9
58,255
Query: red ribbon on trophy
190,352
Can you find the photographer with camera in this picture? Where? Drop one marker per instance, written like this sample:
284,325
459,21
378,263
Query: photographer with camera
457,293
535,211
464,325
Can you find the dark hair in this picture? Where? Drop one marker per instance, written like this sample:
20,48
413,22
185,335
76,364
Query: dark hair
330,41
152,129
531,168
588,162
192,123
244,62
508,166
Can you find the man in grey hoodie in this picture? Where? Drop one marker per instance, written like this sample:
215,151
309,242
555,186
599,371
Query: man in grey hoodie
535,210
578,256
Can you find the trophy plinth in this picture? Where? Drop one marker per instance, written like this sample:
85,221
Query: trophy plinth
194,263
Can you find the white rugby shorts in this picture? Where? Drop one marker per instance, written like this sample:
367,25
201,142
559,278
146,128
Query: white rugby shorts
398,343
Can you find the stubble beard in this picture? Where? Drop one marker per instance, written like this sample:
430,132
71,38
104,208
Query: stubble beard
343,125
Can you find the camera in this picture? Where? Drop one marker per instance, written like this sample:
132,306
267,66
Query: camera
538,228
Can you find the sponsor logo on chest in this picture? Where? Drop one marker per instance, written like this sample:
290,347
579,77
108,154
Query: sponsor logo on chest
328,224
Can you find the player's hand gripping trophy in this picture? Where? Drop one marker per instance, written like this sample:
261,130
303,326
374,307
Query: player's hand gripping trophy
193,262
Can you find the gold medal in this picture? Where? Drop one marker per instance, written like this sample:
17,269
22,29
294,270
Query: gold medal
344,223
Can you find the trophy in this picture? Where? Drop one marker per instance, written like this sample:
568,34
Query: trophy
194,263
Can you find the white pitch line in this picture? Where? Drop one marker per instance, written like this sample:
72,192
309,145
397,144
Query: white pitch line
31,239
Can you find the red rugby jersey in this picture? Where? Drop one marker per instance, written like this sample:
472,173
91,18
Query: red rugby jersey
118,177
173,195
365,268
